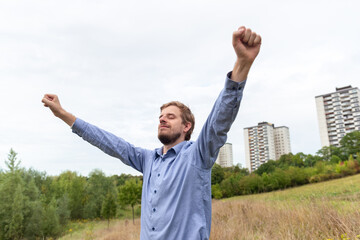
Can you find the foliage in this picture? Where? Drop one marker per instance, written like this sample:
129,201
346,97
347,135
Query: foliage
108,209
216,191
217,174
130,194
267,167
50,223
37,206
291,170
350,143
97,187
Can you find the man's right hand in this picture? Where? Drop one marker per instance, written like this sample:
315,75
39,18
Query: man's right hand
52,101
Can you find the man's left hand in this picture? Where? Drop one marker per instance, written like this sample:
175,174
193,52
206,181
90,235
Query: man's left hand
246,44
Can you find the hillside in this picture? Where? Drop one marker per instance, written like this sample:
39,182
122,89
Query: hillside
327,210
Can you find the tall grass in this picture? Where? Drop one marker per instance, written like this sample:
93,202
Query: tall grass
118,230
326,210
318,211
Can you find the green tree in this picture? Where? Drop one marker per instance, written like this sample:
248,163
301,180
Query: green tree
298,160
297,176
15,227
267,167
335,159
251,184
108,209
281,178
73,185
217,174
230,186
130,194
12,163
63,210
216,191
97,186
325,153
12,200
311,160
51,226
120,180
33,228
350,143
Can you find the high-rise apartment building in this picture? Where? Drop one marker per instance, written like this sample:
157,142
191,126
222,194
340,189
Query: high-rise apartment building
264,142
338,114
225,157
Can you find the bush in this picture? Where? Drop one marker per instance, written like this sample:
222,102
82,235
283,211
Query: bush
216,191
251,184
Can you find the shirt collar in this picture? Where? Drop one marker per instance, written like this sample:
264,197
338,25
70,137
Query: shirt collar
176,149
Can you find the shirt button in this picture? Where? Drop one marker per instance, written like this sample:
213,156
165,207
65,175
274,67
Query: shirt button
234,88
158,174
240,87
155,191
154,209
153,229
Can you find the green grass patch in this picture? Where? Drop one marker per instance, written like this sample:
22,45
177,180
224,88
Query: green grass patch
343,189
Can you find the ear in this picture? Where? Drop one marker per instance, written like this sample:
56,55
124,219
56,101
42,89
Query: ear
187,127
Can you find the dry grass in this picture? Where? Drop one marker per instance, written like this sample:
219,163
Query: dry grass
118,230
317,211
258,219
123,230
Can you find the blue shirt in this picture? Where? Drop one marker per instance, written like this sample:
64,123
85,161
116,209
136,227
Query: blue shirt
176,192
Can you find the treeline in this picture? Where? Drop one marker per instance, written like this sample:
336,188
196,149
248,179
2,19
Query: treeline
290,170
36,206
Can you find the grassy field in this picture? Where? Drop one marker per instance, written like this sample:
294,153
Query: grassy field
328,210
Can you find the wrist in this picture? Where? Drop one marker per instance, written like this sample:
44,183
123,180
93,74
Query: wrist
61,113
67,117
241,70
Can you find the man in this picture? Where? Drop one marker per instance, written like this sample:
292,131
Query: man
176,193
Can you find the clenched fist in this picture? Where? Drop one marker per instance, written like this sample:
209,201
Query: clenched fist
246,44
52,101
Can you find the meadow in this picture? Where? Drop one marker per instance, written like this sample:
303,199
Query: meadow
326,210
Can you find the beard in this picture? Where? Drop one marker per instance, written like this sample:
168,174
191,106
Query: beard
168,138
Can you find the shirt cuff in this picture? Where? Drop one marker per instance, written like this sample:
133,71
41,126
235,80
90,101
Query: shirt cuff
78,126
232,85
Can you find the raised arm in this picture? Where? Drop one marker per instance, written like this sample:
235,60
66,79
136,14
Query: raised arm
214,132
52,101
106,141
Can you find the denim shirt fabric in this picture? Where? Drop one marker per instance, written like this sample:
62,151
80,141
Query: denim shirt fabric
176,192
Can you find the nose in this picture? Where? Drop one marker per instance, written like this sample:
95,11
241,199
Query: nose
162,119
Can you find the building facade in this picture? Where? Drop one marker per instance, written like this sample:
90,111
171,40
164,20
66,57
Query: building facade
264,142
225,157
338,114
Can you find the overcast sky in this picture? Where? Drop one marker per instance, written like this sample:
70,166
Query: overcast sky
113,63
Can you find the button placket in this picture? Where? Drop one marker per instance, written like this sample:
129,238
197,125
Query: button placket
157,185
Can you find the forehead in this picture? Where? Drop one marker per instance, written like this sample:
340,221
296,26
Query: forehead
171,110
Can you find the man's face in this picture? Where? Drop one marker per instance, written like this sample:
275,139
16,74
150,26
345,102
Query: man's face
170,127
